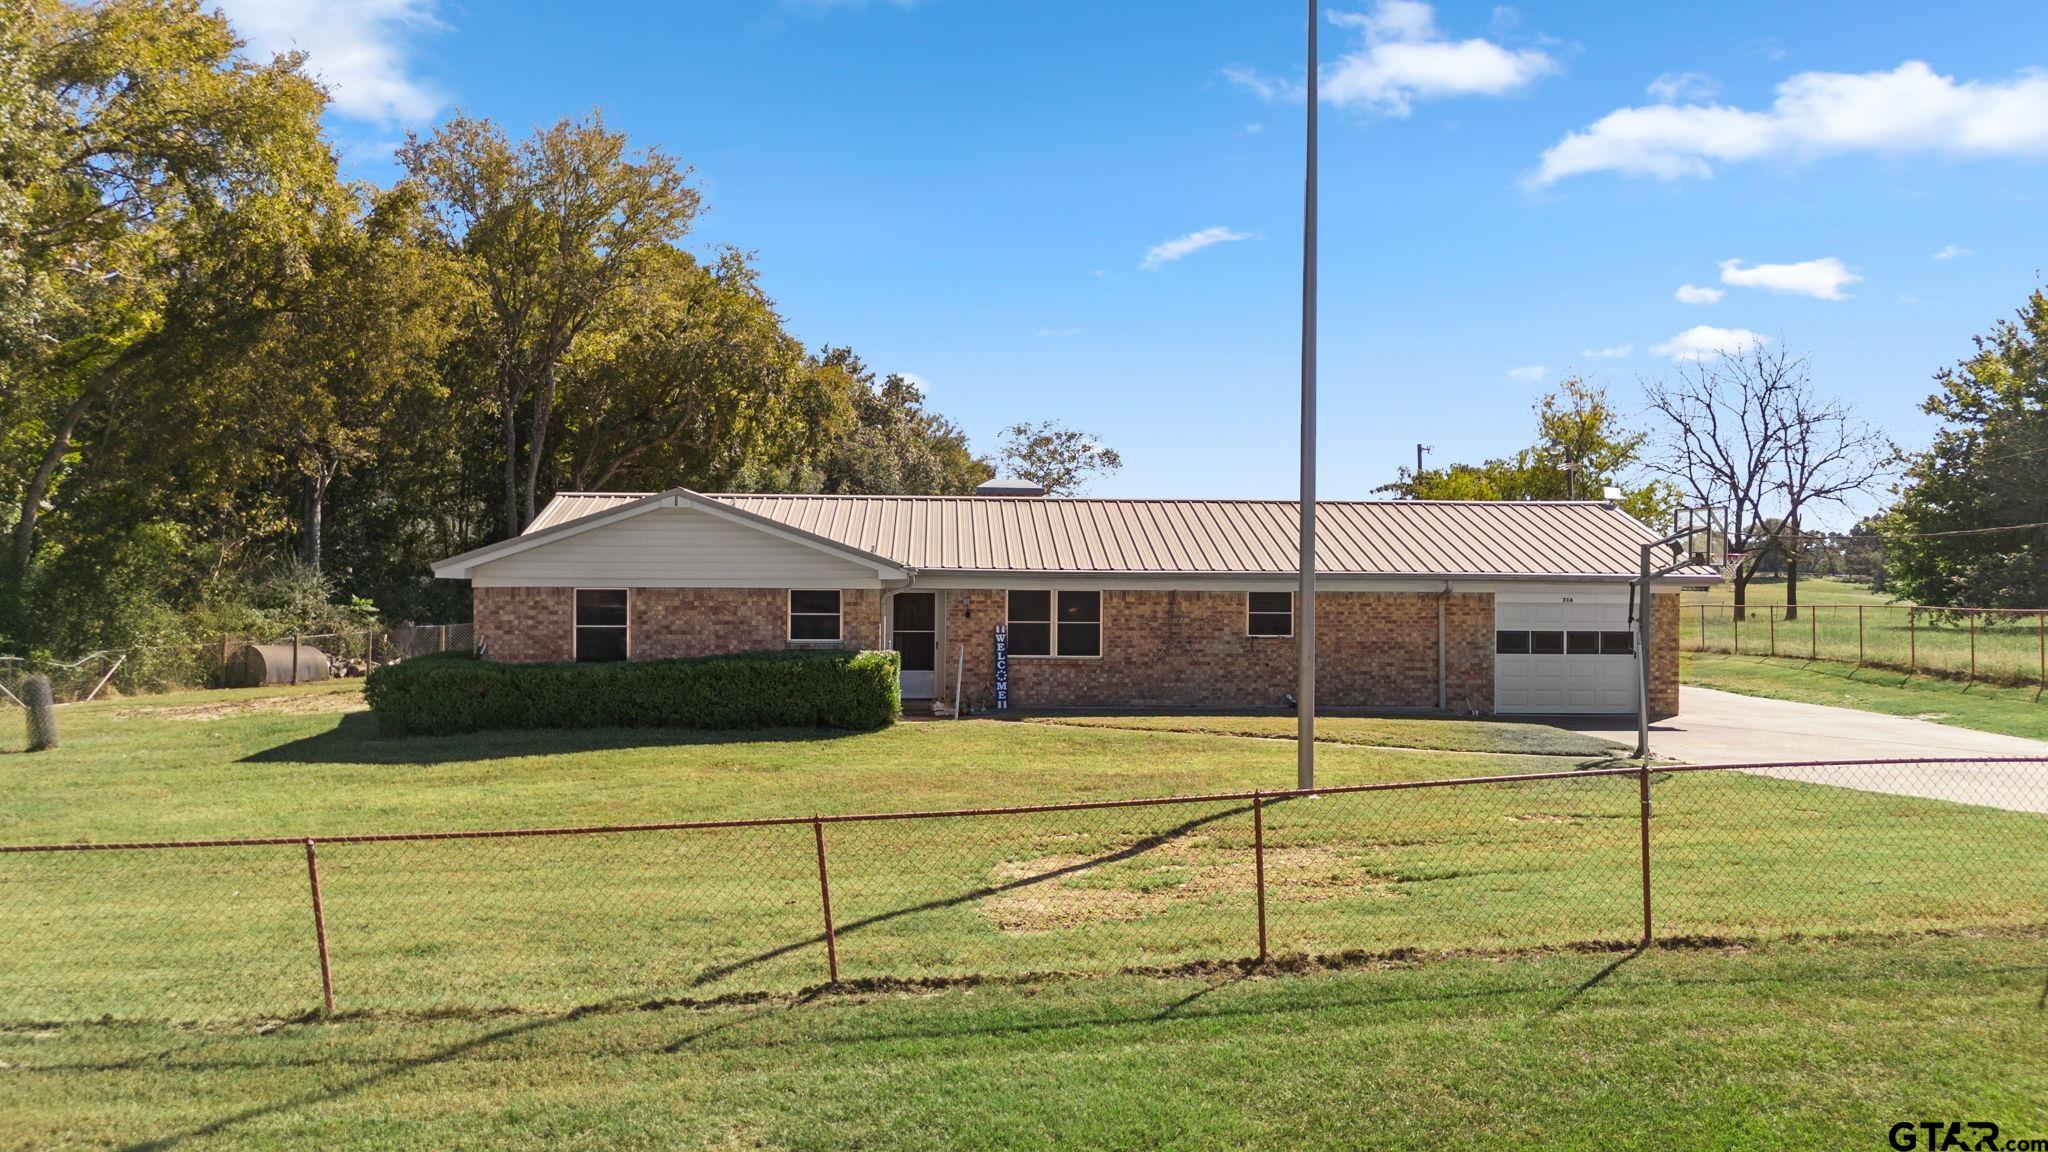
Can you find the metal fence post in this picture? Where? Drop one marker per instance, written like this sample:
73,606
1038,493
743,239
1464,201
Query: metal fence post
1643,793
320,928
1812,632
1859,634
2042,679
295,657
444,638
1973,645
1735,619
1259,865
1771,617
1703,626
1912,639
824,894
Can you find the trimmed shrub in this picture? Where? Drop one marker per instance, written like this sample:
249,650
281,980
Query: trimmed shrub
455,692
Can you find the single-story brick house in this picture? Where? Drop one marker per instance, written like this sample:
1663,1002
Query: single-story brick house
1487,607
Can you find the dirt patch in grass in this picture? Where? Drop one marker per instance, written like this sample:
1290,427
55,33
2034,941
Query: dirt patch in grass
1082,894
297,704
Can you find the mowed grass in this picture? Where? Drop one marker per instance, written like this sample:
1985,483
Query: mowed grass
2002,647
1444,734
555,923
1812,590
2014,711
1787,1045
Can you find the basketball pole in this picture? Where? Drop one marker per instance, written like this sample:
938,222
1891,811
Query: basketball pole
1305,602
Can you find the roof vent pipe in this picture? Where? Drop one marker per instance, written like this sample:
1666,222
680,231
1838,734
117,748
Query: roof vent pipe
1009,488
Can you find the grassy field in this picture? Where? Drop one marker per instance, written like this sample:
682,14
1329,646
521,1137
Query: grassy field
1988,707
1788,1045
1500,737
1812,590
556,923
661,989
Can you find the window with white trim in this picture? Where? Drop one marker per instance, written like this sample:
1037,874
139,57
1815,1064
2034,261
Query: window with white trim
1269,614
1055,623
814,614
601,617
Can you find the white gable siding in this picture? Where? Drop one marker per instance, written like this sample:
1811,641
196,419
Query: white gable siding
675,547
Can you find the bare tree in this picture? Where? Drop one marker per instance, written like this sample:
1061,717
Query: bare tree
1826,454
1747,432
1723,437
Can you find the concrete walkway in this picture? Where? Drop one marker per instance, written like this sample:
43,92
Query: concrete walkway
1726,728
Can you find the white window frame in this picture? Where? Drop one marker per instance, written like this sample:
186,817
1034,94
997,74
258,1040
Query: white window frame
576,630
790,614
1248,614
1053,624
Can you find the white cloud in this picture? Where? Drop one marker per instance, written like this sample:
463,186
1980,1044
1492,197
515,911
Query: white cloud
1951,251
1910,109
1673,87
1615,352
1821,279
1402,57
1528,373
1705,342
1166,253
1908,298
922,386
360,49
1694,294
1057,333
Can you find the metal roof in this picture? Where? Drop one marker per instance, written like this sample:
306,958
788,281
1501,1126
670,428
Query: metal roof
1512,539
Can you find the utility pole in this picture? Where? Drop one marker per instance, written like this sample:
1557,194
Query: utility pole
1305,601
1419,450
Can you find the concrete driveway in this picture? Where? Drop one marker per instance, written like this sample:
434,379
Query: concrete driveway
1725,728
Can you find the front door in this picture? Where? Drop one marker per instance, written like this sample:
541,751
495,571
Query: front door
914,634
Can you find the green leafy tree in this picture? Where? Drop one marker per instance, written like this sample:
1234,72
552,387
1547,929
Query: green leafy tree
894,444
1983,474
1583,446
1057,458
549,230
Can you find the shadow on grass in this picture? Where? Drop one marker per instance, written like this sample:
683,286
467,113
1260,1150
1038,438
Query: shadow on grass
357,740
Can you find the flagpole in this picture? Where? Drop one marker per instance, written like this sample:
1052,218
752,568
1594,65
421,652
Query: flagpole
1305,602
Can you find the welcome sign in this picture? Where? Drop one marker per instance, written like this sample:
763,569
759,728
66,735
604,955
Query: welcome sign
1002,667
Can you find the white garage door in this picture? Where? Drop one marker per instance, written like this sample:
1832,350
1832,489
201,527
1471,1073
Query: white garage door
1563,654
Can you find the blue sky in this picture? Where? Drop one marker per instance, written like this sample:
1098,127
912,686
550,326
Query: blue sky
1091,210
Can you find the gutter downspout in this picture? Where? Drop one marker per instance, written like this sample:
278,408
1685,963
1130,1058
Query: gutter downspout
1442,685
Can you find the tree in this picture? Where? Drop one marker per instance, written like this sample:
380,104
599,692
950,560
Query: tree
549,231
1968,526
165,184
1059,459
1582,447
1748,434
894,445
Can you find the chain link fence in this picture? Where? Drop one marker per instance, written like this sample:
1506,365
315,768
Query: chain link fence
161,668
558,918
2005,646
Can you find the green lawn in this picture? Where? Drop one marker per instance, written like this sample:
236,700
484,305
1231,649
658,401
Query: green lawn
1436,733
653,990
554,923
1789,1045
1988,707
1812,590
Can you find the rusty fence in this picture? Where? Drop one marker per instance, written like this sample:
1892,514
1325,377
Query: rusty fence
2005,646
553,918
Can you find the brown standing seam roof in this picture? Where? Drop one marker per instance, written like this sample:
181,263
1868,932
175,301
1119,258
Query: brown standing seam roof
1200,537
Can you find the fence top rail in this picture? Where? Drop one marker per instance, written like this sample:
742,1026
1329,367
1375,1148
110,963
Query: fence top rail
1013,810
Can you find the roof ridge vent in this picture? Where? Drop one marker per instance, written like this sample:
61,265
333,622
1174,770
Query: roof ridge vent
1009,488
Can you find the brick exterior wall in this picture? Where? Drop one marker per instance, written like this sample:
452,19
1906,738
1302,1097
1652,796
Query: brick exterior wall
1189,649
528,625
1160,648
1663,656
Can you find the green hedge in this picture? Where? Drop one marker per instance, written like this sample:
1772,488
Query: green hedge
455,692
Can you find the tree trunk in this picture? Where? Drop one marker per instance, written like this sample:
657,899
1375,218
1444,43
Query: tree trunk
1792,575
508,418
39,484
316,483
1742,574
536,440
